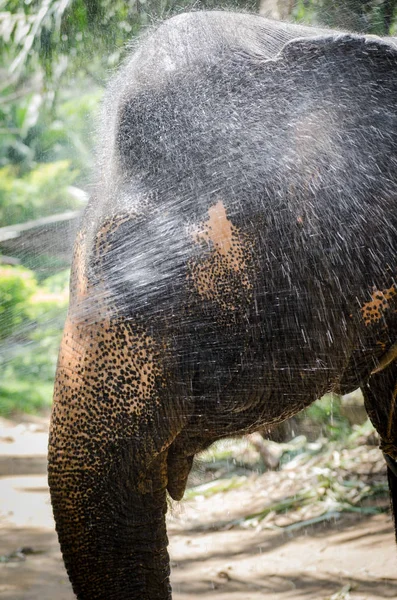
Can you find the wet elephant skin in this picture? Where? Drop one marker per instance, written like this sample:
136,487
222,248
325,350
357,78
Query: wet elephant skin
236,261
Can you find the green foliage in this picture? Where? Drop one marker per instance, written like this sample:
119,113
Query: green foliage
17,286
304,12
58,283
24,396
369,16
31,321
39,193
71,135
80,35
35,130
327,412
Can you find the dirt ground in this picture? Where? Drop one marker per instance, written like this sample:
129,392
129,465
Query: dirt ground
351,557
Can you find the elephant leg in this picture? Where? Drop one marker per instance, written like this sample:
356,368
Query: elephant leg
108,451
380,395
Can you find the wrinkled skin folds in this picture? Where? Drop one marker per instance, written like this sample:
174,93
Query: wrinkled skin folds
236,261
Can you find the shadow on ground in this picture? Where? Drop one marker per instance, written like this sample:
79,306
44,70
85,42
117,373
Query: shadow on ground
353,555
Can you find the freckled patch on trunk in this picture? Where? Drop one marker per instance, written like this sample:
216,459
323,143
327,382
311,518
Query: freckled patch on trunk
373,311
108,378
223,273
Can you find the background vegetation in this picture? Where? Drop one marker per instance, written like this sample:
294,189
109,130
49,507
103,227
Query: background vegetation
55,56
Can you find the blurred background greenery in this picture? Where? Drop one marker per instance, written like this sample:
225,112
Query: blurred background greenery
55,57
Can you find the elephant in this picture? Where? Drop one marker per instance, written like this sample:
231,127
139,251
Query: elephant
236,260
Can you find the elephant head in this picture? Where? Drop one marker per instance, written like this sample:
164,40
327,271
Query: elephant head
226,274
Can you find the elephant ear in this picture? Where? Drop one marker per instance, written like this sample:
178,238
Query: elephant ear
240,113
339,63
334,100
332,44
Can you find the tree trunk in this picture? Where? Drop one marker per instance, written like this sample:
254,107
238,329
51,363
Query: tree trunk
276,9
389,7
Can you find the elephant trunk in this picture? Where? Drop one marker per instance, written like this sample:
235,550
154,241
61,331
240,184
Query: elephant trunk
108,463
112,531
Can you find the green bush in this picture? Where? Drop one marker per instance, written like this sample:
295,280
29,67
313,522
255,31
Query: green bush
32,327
22,396
39,193
327,412
17,286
